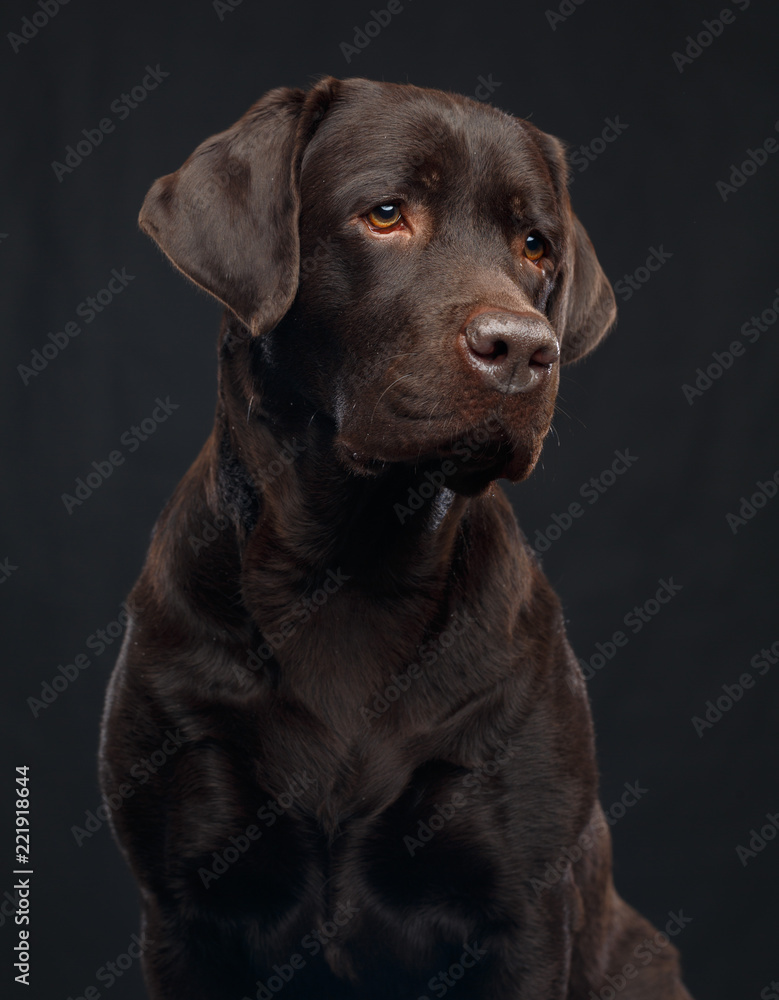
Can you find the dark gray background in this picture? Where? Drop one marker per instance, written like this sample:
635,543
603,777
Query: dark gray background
654,186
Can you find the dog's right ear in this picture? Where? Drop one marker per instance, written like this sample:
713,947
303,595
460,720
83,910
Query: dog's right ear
582,307
228,218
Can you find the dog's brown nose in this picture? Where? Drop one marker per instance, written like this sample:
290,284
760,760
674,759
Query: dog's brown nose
513,351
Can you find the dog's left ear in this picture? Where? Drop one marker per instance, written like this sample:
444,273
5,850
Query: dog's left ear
583,307
228,218
588,308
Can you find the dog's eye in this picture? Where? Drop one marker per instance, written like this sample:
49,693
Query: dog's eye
384,216
535,248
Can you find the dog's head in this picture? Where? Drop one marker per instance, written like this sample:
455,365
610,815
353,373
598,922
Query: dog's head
409,259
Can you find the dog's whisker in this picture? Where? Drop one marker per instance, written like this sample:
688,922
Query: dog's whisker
403,354
569,416
432,412
384,393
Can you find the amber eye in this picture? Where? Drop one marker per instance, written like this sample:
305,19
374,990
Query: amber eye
384,216
535,248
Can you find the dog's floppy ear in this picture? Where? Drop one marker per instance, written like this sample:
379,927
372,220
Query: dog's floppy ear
228,218
583,307
588,308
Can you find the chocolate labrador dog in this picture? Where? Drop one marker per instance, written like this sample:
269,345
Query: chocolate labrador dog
369,755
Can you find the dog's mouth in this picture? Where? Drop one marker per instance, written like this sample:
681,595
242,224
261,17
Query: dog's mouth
474,435
468,461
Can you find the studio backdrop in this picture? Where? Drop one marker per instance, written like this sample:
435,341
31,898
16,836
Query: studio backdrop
653,508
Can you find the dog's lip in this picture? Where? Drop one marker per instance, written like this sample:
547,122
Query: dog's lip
468,477
480,453
435,417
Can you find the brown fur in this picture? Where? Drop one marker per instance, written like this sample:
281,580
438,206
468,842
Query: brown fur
338,613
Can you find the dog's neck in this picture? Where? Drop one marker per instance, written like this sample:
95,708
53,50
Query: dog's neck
271,541
312,507
394,533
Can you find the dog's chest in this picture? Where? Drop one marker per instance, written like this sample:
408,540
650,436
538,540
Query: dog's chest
356,760
364,708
